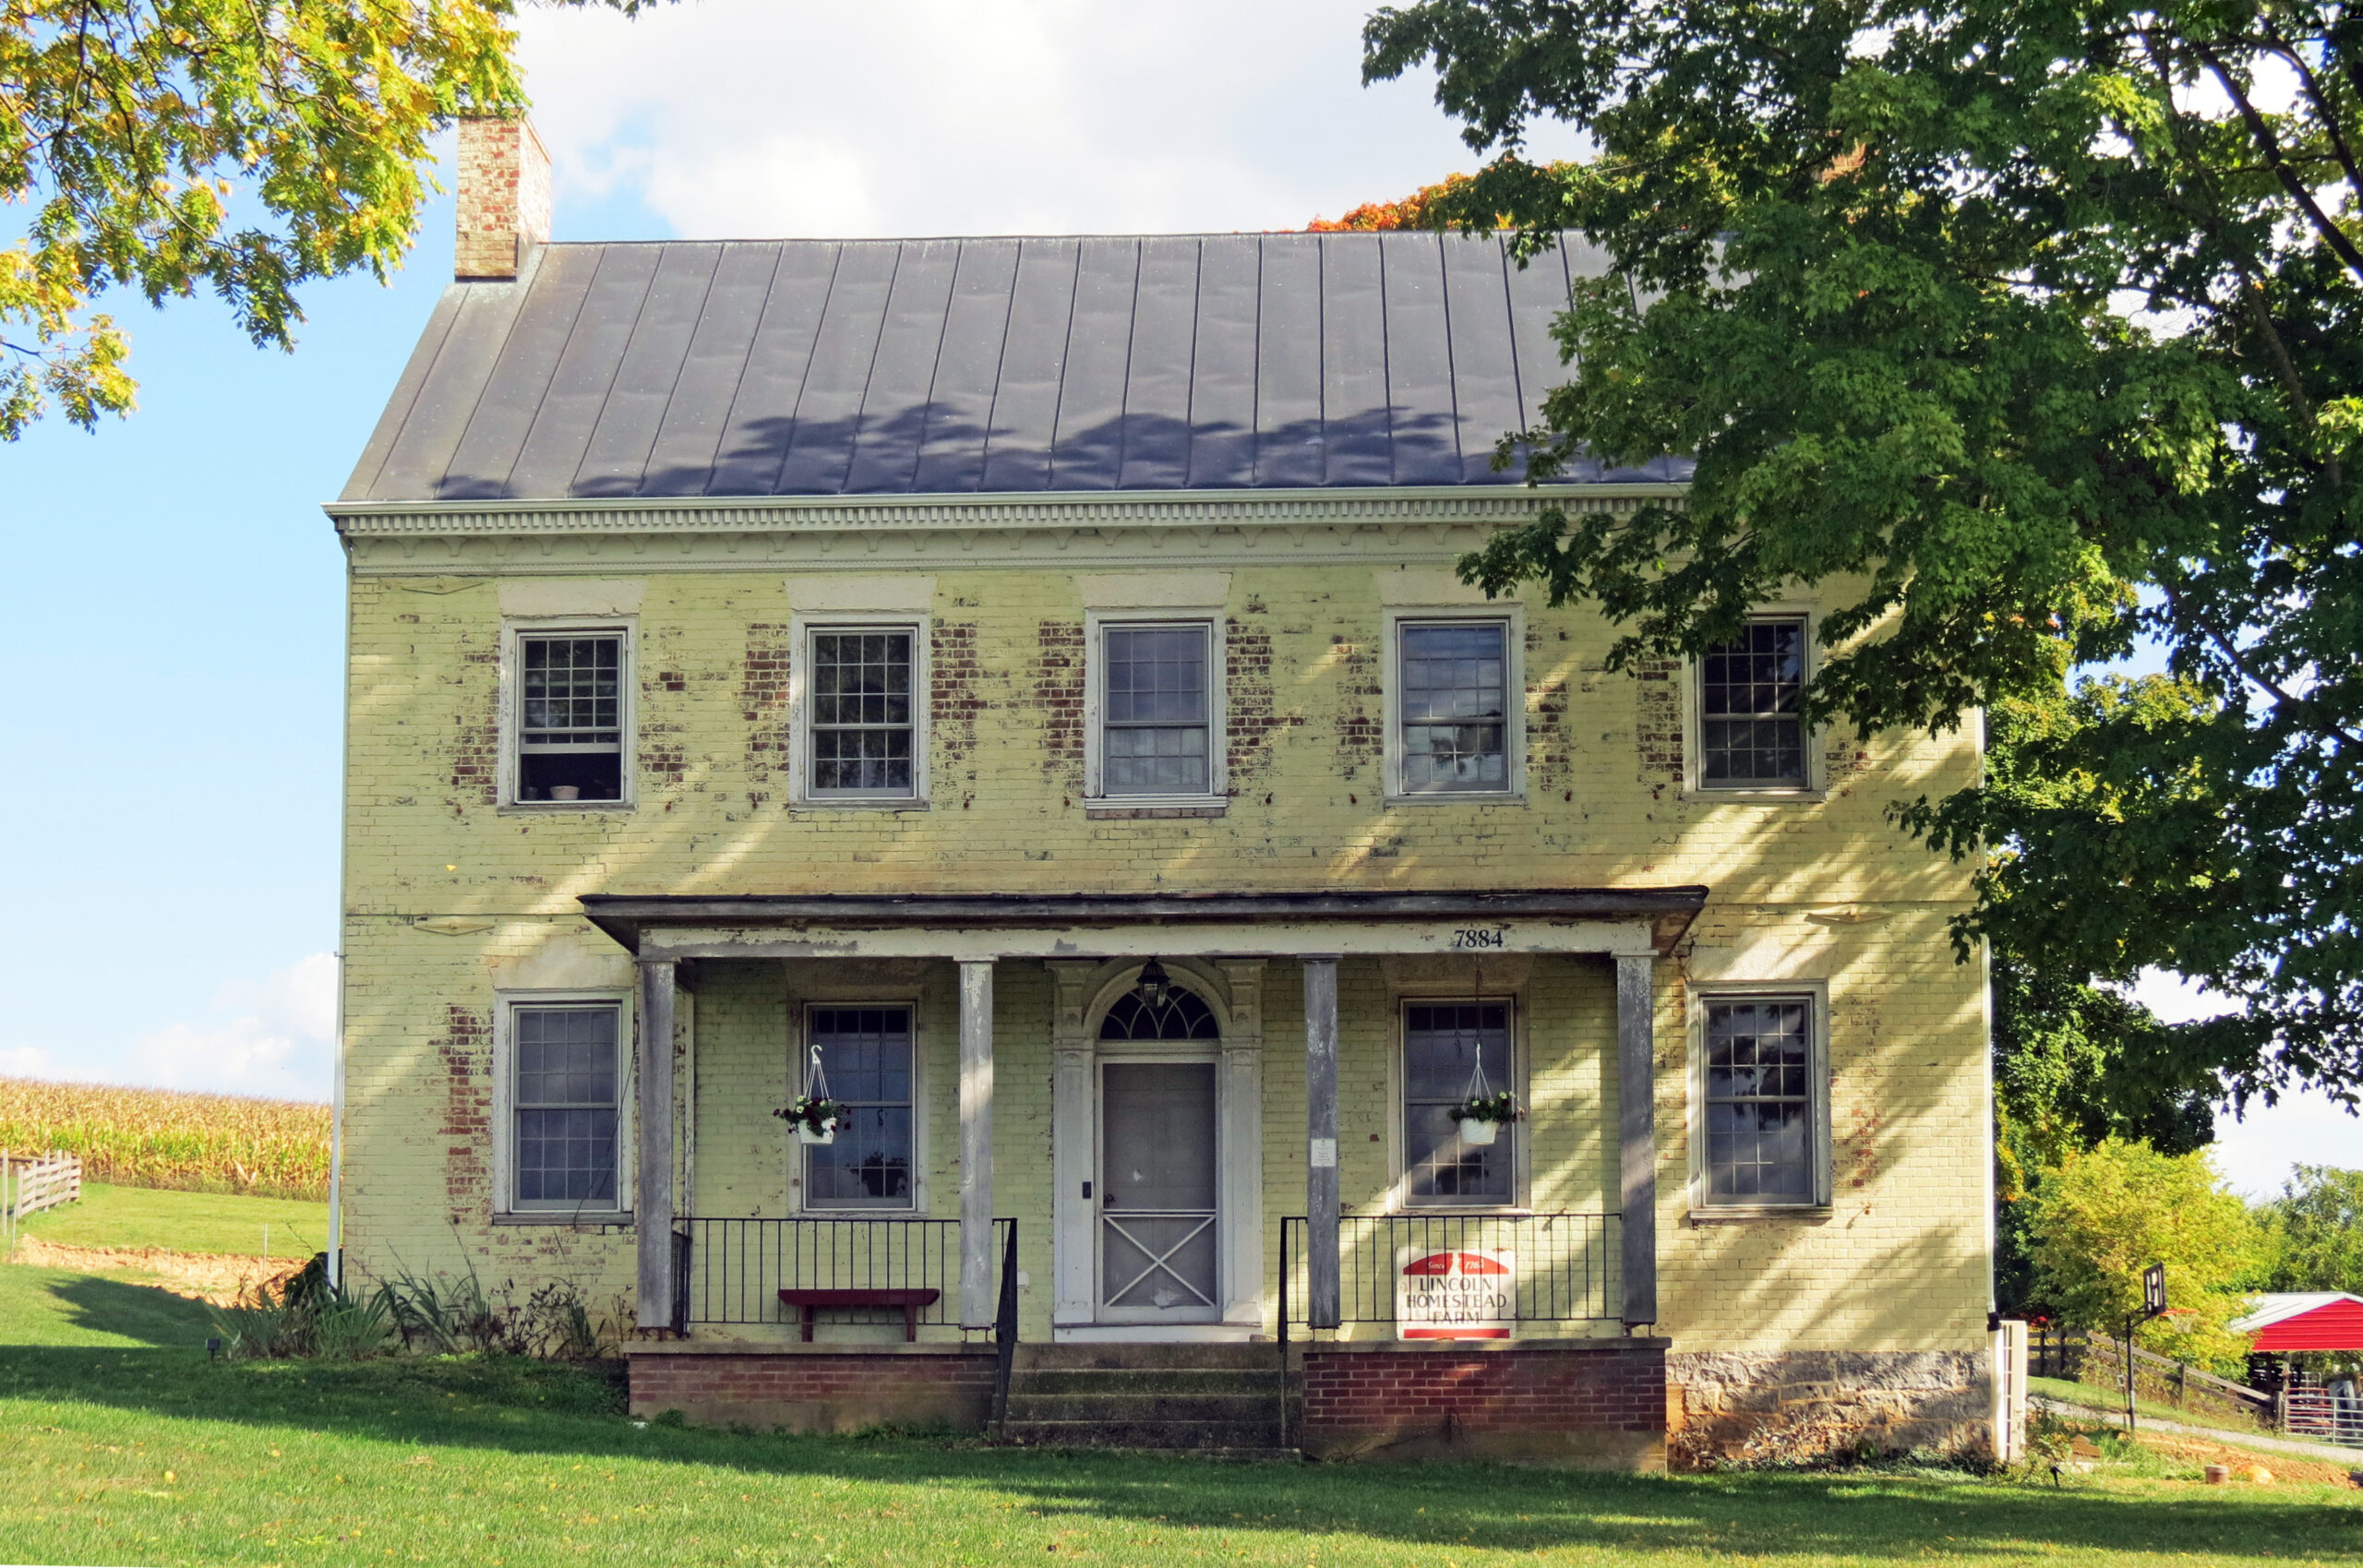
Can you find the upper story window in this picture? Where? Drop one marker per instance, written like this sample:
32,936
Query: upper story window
1762,1102
564,1103
1455,695
861,716
1157,733
572,714
866,1054
1450,1048
1749,733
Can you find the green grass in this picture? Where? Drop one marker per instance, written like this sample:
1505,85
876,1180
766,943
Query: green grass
2112,1403
156,1456
185,1222
54,1307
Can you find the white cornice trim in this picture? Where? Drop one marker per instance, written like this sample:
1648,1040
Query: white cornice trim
833,533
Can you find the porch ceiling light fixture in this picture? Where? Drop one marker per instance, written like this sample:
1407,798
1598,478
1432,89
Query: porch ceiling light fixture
1153,987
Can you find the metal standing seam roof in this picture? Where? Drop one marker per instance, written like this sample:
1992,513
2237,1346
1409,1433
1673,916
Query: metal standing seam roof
951,366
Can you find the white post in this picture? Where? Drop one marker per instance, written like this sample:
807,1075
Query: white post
1636,1125
976,1300
1323,1307
653,1209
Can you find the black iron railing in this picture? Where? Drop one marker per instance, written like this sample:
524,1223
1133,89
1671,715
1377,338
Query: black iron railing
1565,1264
731,1271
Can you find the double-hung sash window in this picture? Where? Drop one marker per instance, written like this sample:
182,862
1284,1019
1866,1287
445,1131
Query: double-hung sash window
570,717
1455,720
1443,1046
862,733
866,1053
1749,733
1761,1102
1157,709
564,1100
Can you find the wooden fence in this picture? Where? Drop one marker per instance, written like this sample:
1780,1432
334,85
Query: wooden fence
29,1183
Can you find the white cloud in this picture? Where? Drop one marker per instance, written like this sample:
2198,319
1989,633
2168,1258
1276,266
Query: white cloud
2175,1000
273,1036
761,117
27,1061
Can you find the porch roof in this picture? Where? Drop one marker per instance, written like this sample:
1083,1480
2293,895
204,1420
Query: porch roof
823,924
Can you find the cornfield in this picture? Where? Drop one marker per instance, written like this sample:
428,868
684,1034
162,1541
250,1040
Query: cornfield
164,1137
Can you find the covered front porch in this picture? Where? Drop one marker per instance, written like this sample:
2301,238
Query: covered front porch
1099,1118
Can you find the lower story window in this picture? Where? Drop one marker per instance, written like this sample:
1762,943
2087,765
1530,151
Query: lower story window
866,1054
1450,1049
568,1074
1759,1100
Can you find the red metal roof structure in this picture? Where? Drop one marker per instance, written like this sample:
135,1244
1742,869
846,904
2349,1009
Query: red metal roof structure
2311,1319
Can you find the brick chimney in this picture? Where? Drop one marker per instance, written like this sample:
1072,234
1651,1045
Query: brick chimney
504,197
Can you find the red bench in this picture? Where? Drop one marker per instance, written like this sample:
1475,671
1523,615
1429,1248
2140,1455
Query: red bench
911,1300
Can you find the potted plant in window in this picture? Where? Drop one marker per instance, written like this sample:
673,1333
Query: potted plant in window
1481,1117
815,1118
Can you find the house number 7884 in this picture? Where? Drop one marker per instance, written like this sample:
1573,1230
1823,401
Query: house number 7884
1473,937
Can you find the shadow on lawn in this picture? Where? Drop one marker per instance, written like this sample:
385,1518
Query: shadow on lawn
141,1312
534,1409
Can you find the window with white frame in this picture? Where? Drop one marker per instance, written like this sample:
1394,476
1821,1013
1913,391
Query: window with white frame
570,715
861,713
1452,1050
865,1056
1157,698
566,1083
1750,736
1454,678
1761,1101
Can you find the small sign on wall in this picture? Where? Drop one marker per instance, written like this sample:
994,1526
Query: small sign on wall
1456,1293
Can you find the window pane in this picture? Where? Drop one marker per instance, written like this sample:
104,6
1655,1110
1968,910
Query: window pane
1759,1100
866,1053
571,693
862,727
1749,731
567,1074
1155,728
1455,706
1443,1043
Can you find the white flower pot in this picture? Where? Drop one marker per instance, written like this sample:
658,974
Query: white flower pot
828,1134
566,791
1478,1134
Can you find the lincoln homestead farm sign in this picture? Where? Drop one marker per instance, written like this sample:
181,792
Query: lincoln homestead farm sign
1456,1294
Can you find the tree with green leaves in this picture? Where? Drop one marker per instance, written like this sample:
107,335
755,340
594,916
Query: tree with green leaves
2023,331
2316,1231
240,147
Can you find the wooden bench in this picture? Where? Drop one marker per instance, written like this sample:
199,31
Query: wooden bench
911,1300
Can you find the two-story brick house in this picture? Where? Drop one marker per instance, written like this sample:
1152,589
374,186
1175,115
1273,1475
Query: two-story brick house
1017,689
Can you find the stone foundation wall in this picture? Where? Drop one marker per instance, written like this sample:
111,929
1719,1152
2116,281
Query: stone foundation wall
1800,1406
817,1391
1596,1406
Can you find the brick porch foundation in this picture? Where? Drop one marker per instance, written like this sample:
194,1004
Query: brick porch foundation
1593,1403
816,1388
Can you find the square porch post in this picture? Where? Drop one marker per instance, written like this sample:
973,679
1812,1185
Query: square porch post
976,1297
653,1205
1637,1126
1321,1141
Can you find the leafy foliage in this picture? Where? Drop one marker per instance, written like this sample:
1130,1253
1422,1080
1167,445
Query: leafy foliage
2317,1231
2024,330
2104,1216
241,147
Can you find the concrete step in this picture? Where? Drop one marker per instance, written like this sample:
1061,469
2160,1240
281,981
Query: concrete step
1213,1380
1148,1358
1144,1408
1191,1436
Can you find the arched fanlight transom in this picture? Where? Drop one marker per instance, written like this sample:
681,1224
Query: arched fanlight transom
1180,1015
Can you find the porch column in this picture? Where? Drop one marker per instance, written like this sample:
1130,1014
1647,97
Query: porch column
1637,1126
976,1302
652,1207
1321,1141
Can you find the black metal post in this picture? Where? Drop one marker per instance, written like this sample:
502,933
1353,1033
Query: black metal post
1005,1325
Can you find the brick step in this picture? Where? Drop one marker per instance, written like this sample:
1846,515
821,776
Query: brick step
1190,1436
1142,1408
1148,1358
1178,1379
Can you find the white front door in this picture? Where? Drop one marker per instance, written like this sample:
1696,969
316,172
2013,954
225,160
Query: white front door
1158,1228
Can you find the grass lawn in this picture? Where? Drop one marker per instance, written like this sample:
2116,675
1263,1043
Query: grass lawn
2111,1402
54,1307
155,1456
185,1222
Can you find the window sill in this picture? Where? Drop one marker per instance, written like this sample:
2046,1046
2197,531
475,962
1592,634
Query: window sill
1754,795
608,1220
1457,798
1723,1213
566,808
1155,806
858,803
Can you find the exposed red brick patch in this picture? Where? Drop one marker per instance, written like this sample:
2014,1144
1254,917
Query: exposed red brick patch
1058,696
1251,721
465,1054
955,699
1361,722
762,699
1657,721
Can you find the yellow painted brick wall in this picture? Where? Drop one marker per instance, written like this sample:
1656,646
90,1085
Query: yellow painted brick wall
1806,889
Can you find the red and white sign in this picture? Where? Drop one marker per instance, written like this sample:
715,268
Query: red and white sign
1456,1294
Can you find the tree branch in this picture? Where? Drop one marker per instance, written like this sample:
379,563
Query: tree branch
2260,129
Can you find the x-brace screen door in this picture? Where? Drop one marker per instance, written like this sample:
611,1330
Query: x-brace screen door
1158,1202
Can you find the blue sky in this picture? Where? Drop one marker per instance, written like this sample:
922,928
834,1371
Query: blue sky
174,750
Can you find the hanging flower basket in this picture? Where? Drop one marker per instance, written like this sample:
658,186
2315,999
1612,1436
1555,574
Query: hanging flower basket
815,1119
1481,1116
